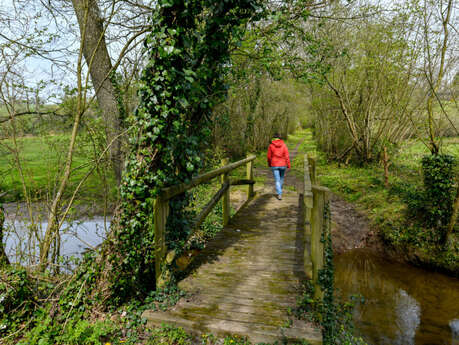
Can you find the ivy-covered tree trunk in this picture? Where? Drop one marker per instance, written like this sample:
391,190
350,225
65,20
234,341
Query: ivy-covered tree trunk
188,51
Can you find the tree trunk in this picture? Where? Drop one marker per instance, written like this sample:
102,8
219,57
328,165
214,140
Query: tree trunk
100,68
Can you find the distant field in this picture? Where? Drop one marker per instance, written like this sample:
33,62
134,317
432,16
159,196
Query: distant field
42,159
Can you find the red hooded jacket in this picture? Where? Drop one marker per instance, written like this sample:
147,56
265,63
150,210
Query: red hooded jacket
278,154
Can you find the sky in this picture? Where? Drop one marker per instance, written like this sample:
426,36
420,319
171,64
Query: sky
32,18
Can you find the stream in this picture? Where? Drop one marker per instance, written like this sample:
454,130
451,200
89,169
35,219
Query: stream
403,305
76,238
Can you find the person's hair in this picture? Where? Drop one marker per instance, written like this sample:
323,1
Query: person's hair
277,135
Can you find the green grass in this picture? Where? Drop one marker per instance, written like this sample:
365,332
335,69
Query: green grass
42,159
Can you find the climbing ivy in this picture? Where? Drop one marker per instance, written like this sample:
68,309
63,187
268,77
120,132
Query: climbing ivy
326,281
439,178
188,52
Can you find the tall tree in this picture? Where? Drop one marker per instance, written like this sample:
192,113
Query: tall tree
435,59
100,66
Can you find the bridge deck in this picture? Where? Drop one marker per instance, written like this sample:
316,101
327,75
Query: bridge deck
248,277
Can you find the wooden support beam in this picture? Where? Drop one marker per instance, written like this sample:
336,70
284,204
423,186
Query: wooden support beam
226,195
312,169
307,183
161,212
250,192
241,182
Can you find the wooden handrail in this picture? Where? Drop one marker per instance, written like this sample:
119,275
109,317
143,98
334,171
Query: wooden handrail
161,210
170,192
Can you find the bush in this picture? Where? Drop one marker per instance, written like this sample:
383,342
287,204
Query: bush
438,171
429,207
76,332
17,297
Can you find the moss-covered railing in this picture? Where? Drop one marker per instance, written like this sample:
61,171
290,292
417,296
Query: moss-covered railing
317,221
161,209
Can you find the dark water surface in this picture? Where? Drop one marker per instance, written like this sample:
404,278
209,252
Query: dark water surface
404,305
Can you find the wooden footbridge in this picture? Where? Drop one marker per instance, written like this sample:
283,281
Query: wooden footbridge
247,280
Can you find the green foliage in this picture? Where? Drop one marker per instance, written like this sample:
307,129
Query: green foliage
83,332
326,281
164,298
188,51
169,335
17,297
76,332
336,319
439,180
429,207
365,101
257,107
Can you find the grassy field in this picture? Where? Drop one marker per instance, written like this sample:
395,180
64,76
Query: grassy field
42,161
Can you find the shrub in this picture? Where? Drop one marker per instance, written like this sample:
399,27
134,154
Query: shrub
17,297
438,172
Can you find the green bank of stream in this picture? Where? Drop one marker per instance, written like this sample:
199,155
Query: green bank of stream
402,304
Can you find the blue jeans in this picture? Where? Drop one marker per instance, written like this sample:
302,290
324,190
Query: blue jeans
279,173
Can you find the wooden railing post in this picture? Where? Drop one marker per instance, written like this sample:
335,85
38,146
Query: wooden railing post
307,207
320,200
161,211
226,195
312,169
250,192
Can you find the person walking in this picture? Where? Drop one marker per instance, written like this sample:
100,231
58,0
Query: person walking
278,161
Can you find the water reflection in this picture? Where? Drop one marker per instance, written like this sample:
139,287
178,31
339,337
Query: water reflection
403,305
76,237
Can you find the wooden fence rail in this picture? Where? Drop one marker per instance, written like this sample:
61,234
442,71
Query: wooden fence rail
161,209
316,199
